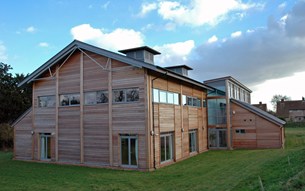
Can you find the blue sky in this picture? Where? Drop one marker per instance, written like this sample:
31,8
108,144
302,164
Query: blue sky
260,43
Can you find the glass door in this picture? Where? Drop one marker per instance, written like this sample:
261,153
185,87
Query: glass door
45,146
129,150
217,138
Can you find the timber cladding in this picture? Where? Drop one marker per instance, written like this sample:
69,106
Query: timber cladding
252,131
71,123
178,120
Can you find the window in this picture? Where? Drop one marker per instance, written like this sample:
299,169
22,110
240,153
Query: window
129,150
204,103
191,101
184,100
166,147
156,95
240,131
126,95
69,99
192,141
162,96
176,99
132,94
97,97
170,98
46,101
45,146
118,96
217,111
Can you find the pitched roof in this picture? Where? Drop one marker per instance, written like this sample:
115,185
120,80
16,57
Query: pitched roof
259,112
74,45
21,117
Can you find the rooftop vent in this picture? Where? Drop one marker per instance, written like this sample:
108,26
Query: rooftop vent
144,53
180,69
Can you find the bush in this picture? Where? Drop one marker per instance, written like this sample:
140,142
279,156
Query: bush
295,124
6,137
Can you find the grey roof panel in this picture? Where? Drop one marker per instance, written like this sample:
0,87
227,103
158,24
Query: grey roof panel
84,46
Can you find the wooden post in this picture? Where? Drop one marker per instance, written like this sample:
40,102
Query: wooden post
33,120
110,110
56,113
228,110
181,114
148,118
81,91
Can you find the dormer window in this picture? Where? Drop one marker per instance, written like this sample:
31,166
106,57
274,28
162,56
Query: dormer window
143,53
180,69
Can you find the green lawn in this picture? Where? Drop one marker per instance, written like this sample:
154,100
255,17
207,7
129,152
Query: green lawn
276,169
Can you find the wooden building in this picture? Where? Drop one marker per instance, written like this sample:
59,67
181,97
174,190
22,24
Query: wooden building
234,123
100,108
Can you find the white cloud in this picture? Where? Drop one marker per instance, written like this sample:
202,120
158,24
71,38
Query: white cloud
116,40
105,5
200,12
3,55
282,5
281,86
31,29
213,39
146,8
43,44
175,53
236,34
272,52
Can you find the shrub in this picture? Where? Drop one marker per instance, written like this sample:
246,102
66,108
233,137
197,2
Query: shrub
6,137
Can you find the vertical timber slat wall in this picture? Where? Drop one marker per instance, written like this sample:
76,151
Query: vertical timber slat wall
179,119
259,132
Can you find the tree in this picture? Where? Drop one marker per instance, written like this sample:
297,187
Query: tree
14,101
276,98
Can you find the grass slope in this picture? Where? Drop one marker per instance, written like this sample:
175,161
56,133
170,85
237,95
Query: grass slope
277,169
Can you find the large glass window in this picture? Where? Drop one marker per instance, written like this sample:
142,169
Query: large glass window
129,150
192,141
217,111
166,147
69,99
46,101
